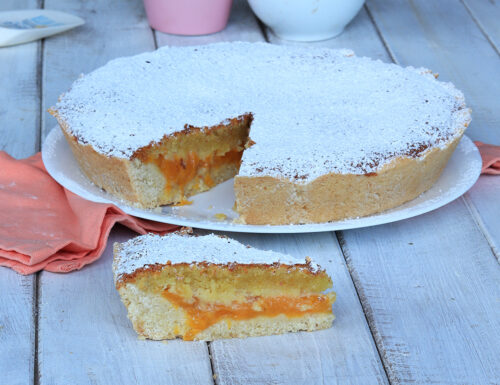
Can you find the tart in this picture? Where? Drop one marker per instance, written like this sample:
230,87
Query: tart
333,136
211,287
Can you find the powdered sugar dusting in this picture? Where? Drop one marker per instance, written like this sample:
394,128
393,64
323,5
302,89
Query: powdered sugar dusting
151,249
315,110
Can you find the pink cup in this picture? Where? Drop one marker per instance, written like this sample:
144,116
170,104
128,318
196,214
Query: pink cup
188,17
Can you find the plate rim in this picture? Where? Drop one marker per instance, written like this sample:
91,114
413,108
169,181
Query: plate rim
375,220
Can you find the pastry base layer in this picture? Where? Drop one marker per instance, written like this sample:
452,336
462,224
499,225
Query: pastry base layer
190,162
154,317
267,200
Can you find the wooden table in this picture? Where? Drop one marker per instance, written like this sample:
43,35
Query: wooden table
418,300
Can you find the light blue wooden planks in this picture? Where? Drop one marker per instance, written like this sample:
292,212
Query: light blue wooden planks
483,198
486,14
430,287
484,204
112,29
17,327
19,92
441,36
19,137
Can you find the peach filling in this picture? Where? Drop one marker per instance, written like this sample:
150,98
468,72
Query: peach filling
199,319
179,171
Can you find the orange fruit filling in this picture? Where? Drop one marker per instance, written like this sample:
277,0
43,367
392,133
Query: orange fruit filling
180,171
199,319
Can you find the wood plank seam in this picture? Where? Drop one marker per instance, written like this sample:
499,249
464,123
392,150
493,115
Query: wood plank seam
380,36
481,27
36,286
480,224
472,209
391,374
214,375
263,28
155,40
41,48
367,311
392,371
39,80
36,302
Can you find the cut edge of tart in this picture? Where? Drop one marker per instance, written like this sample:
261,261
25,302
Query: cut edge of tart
186,163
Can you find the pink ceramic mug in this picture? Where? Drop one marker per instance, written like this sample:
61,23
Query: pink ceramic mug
188,17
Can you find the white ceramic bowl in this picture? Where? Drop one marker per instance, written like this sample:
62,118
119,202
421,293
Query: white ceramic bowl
306,20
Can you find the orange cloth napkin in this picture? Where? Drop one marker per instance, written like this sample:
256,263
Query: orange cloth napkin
491,158
45,226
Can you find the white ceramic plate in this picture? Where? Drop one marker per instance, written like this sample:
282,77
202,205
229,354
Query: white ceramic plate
459,175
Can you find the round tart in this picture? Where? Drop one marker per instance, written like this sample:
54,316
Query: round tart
333,135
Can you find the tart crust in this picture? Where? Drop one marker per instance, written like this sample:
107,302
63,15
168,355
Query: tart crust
331,197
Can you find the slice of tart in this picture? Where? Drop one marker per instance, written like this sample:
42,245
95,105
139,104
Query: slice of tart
211,287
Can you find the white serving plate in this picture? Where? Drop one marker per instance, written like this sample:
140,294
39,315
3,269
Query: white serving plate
460,174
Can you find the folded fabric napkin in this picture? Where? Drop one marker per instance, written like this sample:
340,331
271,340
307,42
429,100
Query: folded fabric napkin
491,158
43,226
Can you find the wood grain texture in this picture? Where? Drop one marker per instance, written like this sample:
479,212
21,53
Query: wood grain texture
484,204
86,338
19,133
442,36
343,354
19,92
430,287
483,197
17,327
486,14
242,25
113,28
